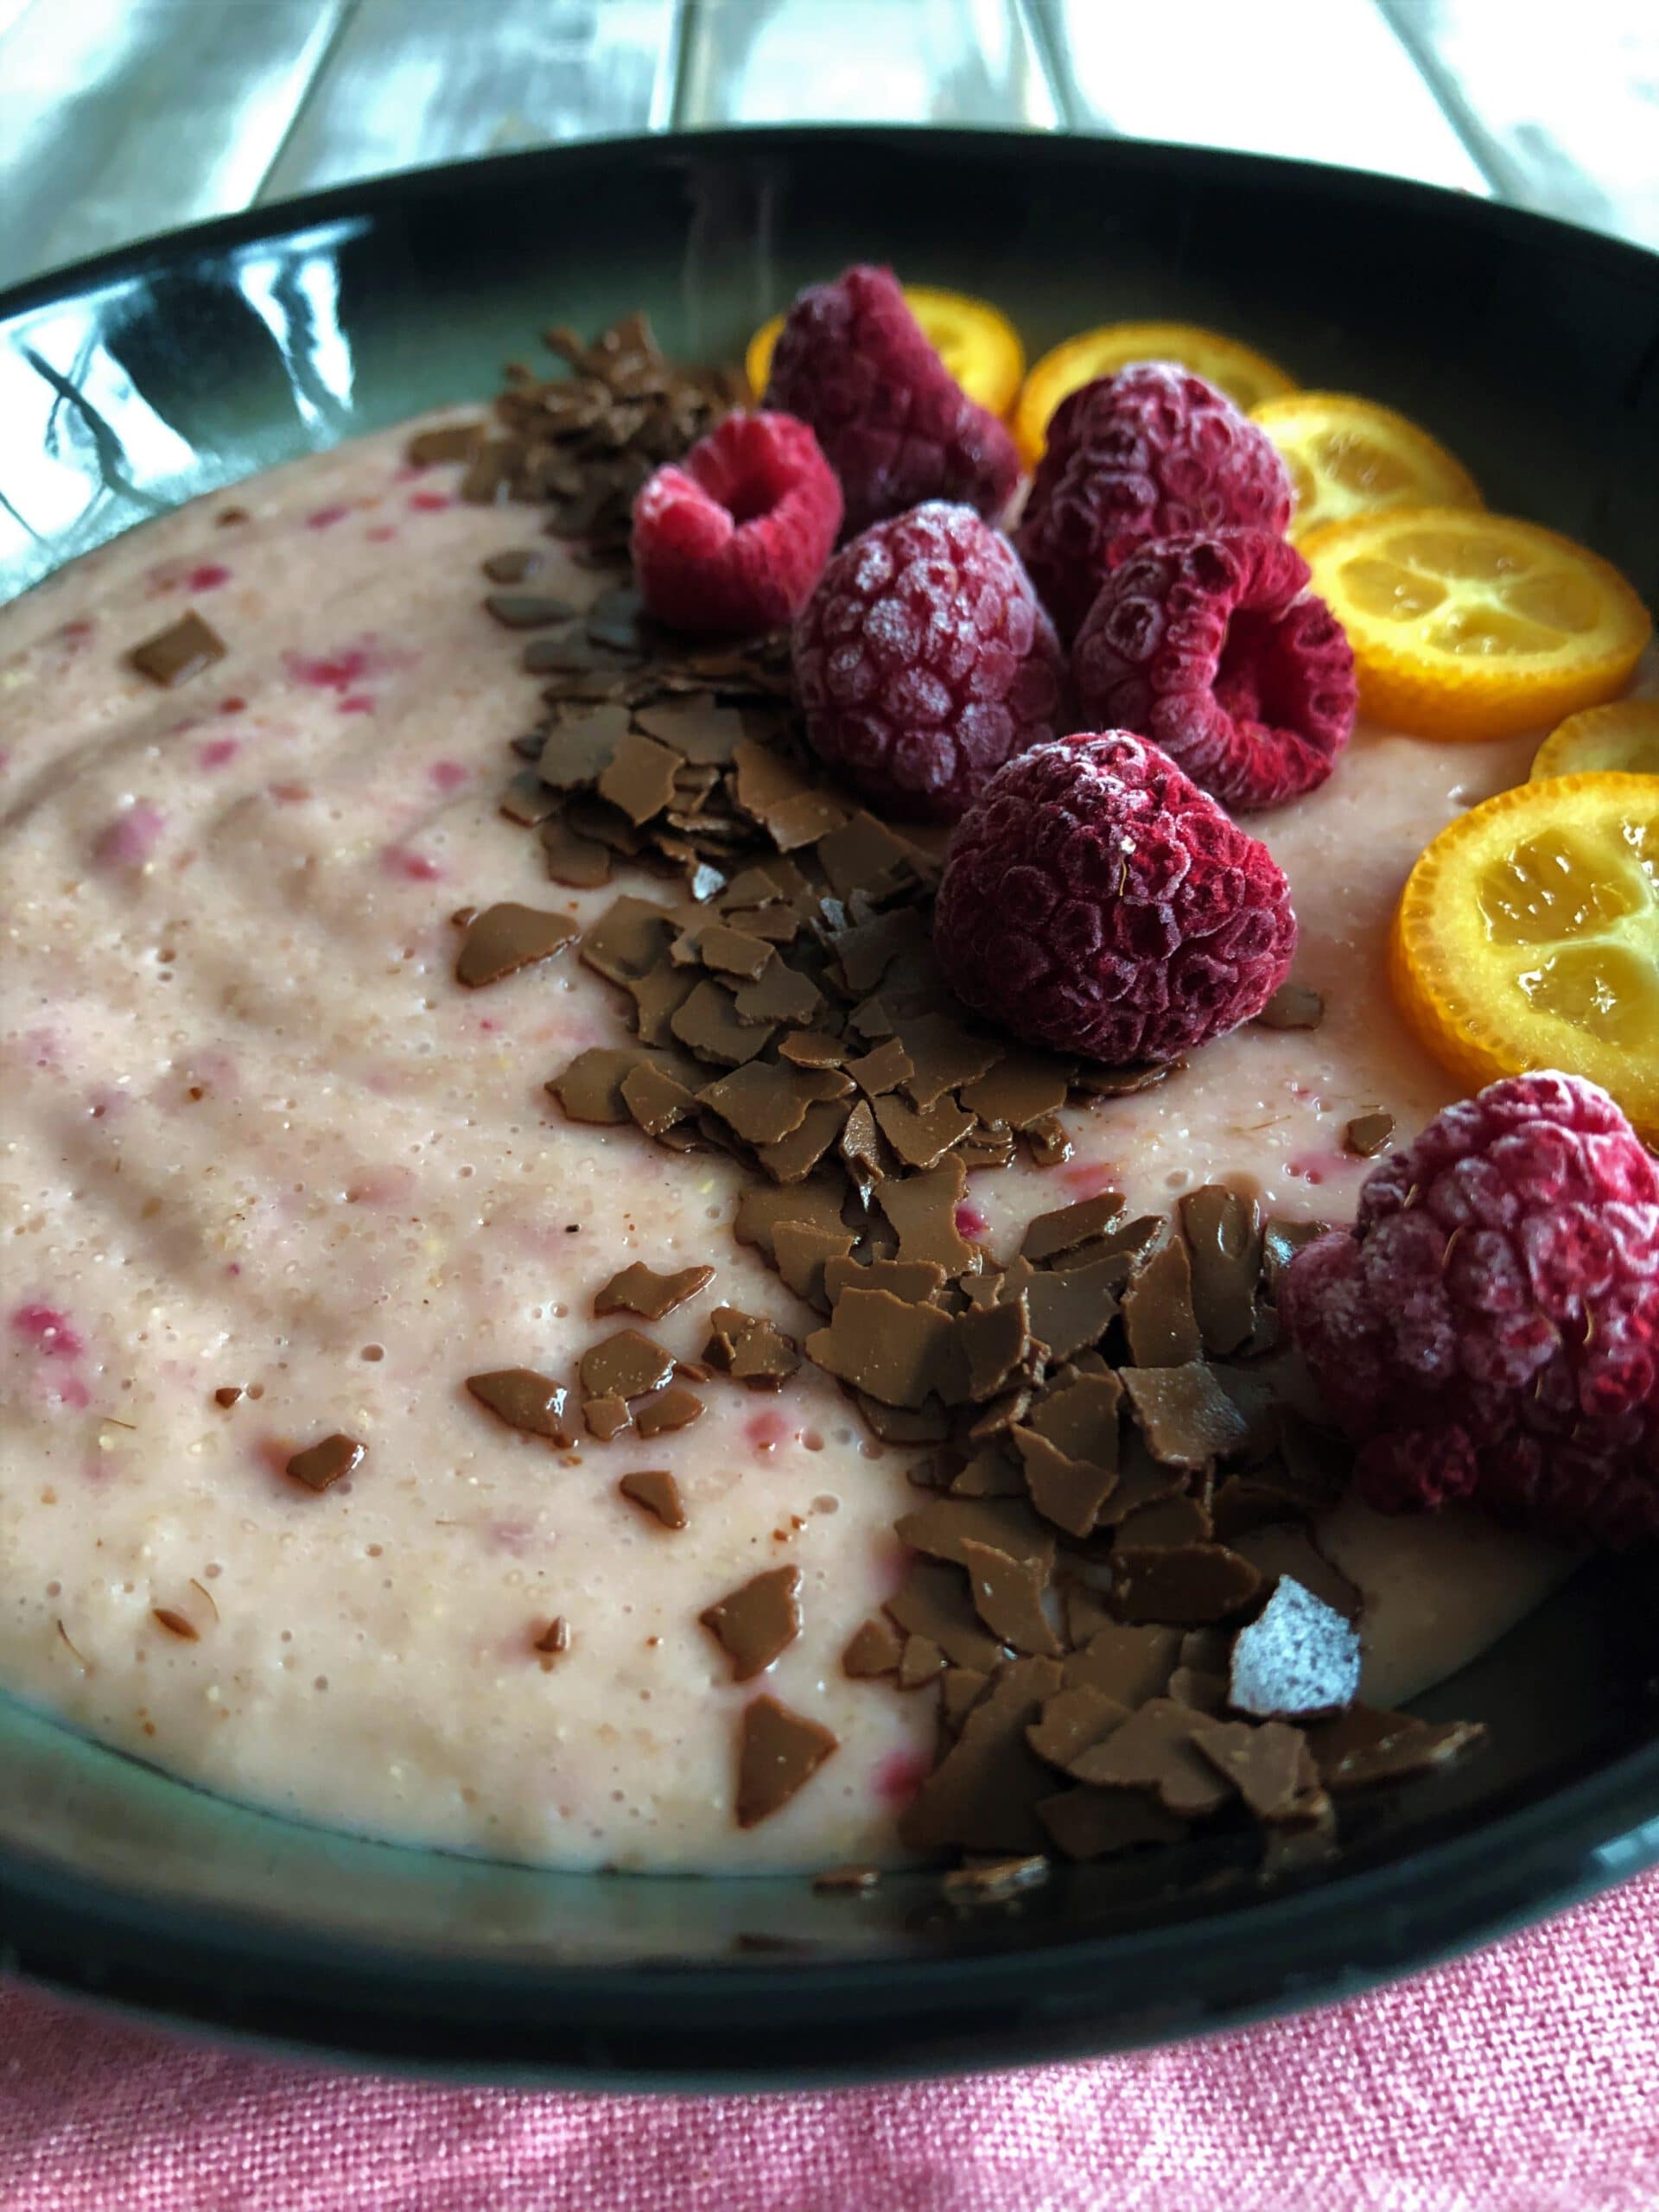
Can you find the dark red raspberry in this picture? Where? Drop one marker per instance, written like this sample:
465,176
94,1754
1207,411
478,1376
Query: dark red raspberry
1489,1329
1149,453
1207,646
1097,901
852,360
924,662
732,538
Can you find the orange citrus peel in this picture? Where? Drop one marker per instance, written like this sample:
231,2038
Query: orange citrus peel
1349,456
1624,738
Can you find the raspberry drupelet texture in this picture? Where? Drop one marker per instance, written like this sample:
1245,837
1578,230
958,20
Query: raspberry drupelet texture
1210,645
923,662
731,539
852,360
1096,901
1149,453
1489,1329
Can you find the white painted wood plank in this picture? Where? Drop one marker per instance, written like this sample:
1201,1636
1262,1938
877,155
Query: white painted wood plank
411,82
122,118
1323,80
1562,103
939,61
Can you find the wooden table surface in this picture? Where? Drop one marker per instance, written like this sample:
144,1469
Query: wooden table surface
119,119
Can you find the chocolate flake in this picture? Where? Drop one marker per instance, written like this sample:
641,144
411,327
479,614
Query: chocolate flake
516,566
1363,1747
320,1465
750,1350
1293,1006
606,1418
626,1365
1008,1597
666,1411
639,777
1267,1766
1224,1237
803,1252
526,610
640,1289
176,1624
228,1394
992,1881
508,937
590,1089
922,1210
709,1024
1156,1750
767,1101
656,1100
1159,1321
173,656
755,1623
778,1752
1184,1584
942,1526
1126,1663
1070,1492
525,1400
1367,1135
1073,1720
896,1353
995,1341
983,1795
1184,1415
448,442
1087,1823
1048,1235
1073,1308
1023,1088
553,1641
921,1141
578,751
856,1880
934,1602
582,863
923,1662
1281,1241
873,1649
656,1493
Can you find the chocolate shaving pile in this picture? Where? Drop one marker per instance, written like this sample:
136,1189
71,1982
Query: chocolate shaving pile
1115,1596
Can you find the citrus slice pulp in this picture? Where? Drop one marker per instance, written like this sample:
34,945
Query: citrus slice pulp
1528,937
977,342
1469,625
1349,456
1247,378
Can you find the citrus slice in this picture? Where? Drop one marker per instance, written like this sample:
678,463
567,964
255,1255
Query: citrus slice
977,342
1247,378
1623,737
1348,456
1528,937
1467,625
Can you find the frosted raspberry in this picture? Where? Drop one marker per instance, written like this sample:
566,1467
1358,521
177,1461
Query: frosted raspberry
732,538
1489,1329
1149,453
1207,644
924,662
1097,901
853,361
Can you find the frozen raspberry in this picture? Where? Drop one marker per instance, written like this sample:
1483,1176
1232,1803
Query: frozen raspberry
924,662
1097,901
852,360
1207,646
732,538
1149,453
1488,1328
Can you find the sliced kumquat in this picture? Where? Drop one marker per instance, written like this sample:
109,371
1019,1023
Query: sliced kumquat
977,342
1528,937
1468,625
1349,456
1247,378
1622,738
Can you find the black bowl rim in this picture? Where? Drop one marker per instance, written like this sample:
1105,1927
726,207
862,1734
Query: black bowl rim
83,1935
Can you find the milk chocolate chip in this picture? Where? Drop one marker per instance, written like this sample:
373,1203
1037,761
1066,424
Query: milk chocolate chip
757,1621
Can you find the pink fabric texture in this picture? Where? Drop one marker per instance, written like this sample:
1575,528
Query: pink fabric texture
1523,2080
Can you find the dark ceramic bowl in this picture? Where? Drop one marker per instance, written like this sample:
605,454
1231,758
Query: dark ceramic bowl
174,368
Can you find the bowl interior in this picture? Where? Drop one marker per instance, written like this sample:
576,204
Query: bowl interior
1532,350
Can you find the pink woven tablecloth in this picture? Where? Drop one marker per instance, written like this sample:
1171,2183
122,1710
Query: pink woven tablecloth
1525,2080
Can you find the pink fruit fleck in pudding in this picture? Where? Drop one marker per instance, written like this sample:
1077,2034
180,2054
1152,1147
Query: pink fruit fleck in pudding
47,1330
129,840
